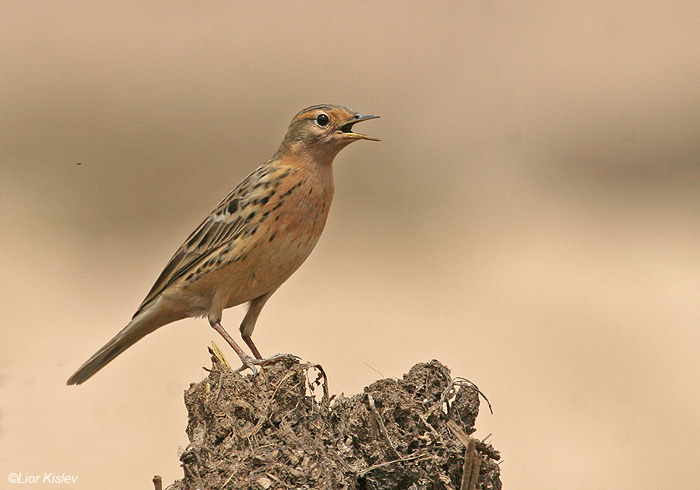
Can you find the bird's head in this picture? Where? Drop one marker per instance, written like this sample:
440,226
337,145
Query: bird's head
324,130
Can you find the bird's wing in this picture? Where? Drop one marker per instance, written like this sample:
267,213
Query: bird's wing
224,224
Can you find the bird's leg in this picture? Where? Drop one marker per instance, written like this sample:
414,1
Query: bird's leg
245,358
251,317
248,362
248,340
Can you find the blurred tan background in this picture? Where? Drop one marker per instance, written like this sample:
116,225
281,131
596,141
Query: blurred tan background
530,218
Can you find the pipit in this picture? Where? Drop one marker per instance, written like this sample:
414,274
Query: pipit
251,242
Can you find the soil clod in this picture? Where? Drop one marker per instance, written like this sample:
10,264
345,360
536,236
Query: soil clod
281,430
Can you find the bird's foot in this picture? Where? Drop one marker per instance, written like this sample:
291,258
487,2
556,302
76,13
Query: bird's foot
250,363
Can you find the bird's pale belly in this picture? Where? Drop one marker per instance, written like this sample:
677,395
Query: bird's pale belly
262,263
266,268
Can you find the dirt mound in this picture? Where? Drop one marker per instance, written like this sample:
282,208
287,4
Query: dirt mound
280,430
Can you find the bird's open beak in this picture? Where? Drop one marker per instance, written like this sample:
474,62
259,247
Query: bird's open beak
349,133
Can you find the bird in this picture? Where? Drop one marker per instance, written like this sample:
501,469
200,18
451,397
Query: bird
251,243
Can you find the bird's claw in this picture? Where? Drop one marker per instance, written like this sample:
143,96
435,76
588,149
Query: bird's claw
250,363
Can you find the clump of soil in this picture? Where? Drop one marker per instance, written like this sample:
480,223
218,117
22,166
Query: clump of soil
280,430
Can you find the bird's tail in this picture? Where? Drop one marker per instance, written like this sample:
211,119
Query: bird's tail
137,328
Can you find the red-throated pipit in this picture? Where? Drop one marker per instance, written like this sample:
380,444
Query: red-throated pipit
251,243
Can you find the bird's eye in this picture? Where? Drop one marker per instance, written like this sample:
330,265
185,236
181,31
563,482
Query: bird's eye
322,120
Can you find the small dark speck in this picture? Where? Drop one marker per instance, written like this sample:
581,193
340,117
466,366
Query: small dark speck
272,237
289,191
78,163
